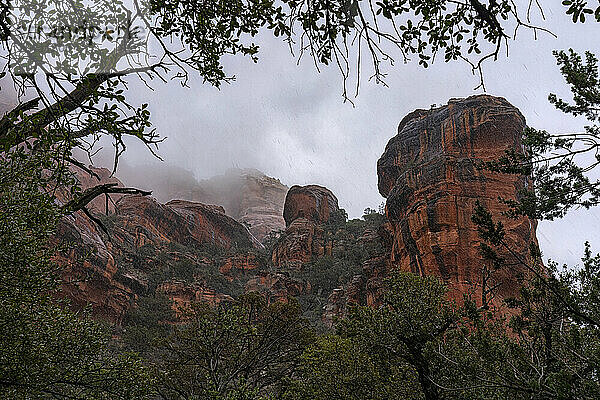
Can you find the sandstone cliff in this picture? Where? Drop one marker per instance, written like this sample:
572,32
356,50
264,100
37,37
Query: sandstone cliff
315,203
186,250
306,210
429,174
191,251
247,195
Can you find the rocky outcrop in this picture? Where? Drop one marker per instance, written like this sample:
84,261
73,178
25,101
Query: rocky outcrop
276,287
366,288
314,203
148,238
307,209
179,221
193,252
261,204
429,174
302,241
247,195
89,270
183,295
239,264
89,267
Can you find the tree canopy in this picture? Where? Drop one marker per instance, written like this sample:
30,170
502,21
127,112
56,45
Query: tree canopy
71,84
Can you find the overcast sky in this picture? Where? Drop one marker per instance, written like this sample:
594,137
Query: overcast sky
290,122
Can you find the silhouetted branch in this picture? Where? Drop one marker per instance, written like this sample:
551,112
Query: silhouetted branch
91,193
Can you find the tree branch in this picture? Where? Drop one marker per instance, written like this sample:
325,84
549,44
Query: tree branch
91,193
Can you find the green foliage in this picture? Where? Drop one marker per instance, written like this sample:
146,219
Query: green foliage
211,29
336,220
336,367
578,9
552,347
416,346
178,262
349,252
374,218
247,348
150,319
327,273
46,351
543,352
382,353
556,164
420,345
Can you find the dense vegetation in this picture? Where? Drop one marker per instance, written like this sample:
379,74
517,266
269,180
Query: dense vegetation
418,345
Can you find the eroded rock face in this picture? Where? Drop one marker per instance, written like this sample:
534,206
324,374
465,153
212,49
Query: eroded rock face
146,235
179,221
89,271
239,264
183,295
261,204
247,195
302,241
429,175
314,203
89,265
276,287
307,209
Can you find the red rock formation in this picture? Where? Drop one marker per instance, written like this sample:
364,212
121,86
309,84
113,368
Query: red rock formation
306,209
179,221
302,242
429,175
184,294
239,263
277,287
247,195
89,271
89,265
312,202
91,275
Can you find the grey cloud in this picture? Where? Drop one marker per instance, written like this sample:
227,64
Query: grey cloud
290,122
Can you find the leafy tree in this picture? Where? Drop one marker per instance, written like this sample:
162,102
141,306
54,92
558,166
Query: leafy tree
70,95
406,330
78,87
149,321
559,164
337,367
419,345
542,351
374,218
47,351
246,348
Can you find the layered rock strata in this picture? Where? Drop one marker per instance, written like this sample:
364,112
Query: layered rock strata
306,210
109,274
314,203
431,178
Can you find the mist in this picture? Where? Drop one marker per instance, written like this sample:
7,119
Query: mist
289,121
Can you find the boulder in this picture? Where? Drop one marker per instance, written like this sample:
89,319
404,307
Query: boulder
314,203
